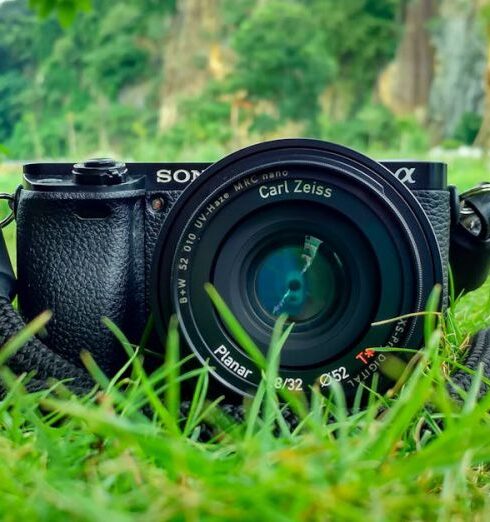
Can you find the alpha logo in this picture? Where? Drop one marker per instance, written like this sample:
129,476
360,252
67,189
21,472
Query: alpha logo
405,175
181,176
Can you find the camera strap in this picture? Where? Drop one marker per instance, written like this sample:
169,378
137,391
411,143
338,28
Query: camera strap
36,357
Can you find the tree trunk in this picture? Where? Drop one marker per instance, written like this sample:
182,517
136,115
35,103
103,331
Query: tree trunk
483,138
458,87
404,87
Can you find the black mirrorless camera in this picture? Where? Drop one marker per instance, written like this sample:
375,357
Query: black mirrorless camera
333,239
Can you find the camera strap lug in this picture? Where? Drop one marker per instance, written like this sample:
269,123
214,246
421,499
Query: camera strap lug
475,211
10,198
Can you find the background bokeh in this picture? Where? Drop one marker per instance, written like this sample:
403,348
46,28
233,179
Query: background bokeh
172,80
195,79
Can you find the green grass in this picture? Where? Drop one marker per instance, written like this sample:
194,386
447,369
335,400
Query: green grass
416,456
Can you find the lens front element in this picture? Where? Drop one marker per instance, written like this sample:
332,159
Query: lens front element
302,279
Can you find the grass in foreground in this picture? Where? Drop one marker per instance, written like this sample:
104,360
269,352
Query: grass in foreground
417,456
413,457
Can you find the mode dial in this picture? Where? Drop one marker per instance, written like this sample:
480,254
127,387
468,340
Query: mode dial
100,171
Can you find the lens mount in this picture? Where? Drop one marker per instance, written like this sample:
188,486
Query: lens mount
306,228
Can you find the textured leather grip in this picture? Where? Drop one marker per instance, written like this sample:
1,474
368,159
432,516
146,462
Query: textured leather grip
81,255
436,206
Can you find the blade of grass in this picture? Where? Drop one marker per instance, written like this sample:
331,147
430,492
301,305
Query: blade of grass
238,332
168,420
172,393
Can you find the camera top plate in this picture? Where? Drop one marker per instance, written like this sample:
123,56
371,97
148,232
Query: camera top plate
58,177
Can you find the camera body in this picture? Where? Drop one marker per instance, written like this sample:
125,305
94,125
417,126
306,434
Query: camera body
95,238
85,250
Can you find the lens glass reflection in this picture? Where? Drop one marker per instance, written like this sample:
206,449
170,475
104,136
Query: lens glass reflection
302,279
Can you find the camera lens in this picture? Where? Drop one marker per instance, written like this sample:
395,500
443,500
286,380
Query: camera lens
303,228
303,260
302,279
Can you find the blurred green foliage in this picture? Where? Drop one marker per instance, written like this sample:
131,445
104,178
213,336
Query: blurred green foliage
65,10
69,84
468,127
57,85
61,89
283,57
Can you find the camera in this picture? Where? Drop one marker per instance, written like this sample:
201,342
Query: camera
346,247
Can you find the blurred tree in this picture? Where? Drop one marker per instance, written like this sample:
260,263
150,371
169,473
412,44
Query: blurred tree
135,75
66,10
72,81
187,52
483,137
283,58
458,86
405,84
363,37
468,128
16,36
291,52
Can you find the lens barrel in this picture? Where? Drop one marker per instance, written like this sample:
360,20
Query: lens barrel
309,229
